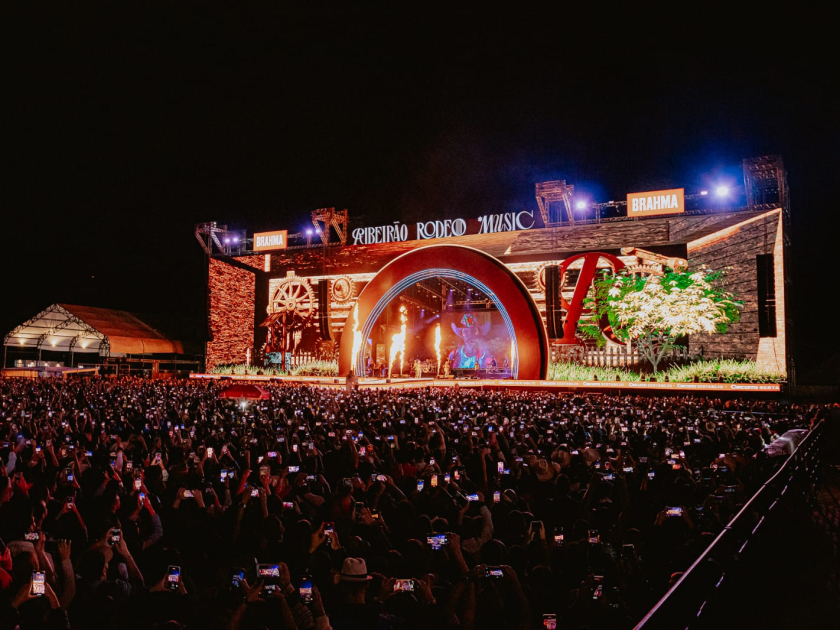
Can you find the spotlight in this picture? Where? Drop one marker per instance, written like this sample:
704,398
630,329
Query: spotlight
581,205
227,241
703,193
235,239
722,191
309,232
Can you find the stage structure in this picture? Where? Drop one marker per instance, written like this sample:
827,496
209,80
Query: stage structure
499,295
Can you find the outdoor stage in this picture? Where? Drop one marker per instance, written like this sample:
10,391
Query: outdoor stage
498,384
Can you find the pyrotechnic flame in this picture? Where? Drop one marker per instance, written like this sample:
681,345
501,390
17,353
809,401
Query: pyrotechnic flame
512,354
398,343
357,338
437,346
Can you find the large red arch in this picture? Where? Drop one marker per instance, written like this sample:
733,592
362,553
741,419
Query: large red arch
506,289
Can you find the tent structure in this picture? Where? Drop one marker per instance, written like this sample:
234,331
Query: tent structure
107,332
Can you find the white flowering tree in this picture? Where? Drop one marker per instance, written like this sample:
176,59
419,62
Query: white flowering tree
654,312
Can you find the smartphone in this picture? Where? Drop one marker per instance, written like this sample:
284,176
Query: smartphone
374,512
329,529
188,494
236,577
294,469
306,590
294,448
434,481
558,535
173,577
599,587
157,458
129,466
593,536
137,483
114,537
497,496
431,461
535,527
70,477
420,485
550,621
264,471
438,541
142,497
255,492
31,536
500,466
404,586
472,497
36,585
494,572
210,451
674,511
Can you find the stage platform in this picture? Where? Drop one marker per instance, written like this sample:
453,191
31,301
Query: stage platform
496,384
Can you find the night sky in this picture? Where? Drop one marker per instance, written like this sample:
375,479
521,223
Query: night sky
122,131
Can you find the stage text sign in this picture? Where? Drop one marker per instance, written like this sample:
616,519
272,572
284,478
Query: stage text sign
646,204
271,240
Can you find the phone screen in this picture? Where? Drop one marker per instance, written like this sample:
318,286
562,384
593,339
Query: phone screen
403,586
558,535
114,537
495,572
437,542
593,536
236,577
173,577
306,590
550,621
37,587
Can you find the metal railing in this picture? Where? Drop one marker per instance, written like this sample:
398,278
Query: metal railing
694,596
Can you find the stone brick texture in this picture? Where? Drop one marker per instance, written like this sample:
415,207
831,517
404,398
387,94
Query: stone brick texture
231,315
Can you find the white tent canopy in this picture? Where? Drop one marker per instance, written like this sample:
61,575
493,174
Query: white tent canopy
107,332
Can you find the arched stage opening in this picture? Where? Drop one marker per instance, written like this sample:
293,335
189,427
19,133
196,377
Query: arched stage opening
486,274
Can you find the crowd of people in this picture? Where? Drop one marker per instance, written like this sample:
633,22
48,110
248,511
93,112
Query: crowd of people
131,503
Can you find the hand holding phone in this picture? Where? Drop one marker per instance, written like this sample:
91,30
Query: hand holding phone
173,577
37,584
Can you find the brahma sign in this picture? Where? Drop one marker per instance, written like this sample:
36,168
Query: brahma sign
271,240
646,204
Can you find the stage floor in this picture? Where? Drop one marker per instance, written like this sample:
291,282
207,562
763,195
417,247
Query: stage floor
493,384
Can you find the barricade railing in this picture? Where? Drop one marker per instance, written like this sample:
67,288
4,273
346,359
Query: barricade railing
693,596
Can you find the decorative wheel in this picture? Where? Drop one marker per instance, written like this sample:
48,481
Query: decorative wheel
293,296
342,289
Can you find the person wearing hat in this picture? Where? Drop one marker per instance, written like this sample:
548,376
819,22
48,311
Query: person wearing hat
357,610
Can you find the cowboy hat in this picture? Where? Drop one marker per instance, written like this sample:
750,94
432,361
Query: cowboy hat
545,471
354,570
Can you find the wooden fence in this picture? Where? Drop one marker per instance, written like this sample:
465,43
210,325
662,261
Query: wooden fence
615,356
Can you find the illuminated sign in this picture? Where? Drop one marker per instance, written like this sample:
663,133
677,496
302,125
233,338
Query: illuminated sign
441,229
382,234
445,228
507,222
648,204
271,240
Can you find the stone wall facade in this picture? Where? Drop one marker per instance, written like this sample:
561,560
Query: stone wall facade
734,250
231,315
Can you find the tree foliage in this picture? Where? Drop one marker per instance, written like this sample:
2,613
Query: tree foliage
654,312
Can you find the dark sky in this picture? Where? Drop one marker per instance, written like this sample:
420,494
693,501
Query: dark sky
122,131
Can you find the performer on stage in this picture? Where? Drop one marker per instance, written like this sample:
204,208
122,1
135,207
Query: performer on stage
418,369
